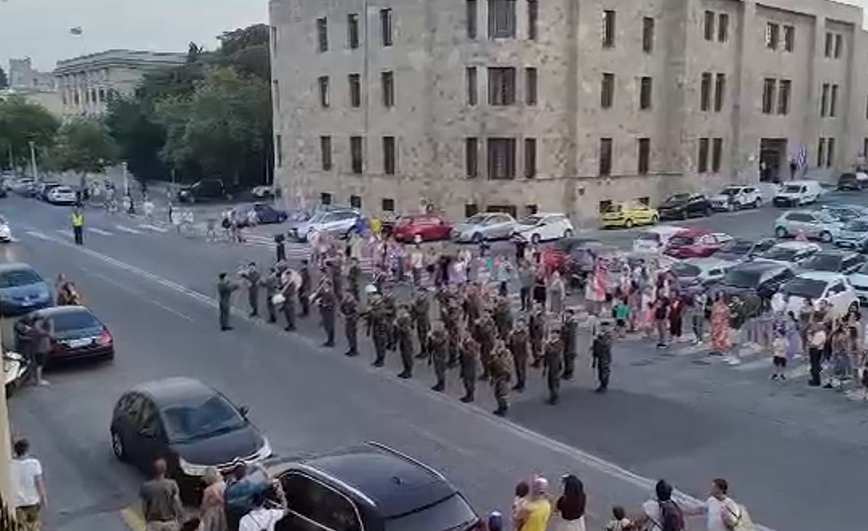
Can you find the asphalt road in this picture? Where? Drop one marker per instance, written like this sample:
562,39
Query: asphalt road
791,454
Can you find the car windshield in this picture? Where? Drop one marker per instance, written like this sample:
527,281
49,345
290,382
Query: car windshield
680,241
530,220
677,198
477,219
65,321
738,247
649,237
792,189
18,277
318,217
686,270
823,262
779,252
807,288
452,513
859,225
740,278
732,190
201,419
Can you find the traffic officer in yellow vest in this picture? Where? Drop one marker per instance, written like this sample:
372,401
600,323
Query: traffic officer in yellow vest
78,225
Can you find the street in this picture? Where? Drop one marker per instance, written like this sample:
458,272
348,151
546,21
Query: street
674,414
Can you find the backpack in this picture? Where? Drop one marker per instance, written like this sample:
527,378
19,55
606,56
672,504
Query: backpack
671,517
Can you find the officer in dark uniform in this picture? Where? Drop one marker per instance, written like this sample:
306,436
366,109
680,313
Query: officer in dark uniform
253,278
420,313
601,350
438,344
289,291
404,333
225,288
350,311
469,366
376,327
536,331
518,347
354,277
553,365
500,376
569,337
304,288
325,299
271,283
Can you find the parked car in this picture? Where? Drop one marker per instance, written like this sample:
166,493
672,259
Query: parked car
695,243
204,190
798,193
655,239
189,424
44,188
849,181
77,334
61,195
737,197
859,280
814,224
763,278
25,186
683,206
853,234
543,227
421,228
627,215
369,487
266,214
790,253
700,273
5,231
834,261
22,290
563,251
486,226
739,249
818,287
845,213
337,222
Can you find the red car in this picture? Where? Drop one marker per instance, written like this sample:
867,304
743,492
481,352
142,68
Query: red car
421,227
695,243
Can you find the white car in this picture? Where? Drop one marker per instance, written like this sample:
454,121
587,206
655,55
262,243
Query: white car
655,239
791,253
705,270
335,222
798,193
818,286
737,197
5,231
61,195
543,227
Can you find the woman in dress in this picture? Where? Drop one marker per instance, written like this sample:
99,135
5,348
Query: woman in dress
793,334
212,513
570,506
557,293
720,317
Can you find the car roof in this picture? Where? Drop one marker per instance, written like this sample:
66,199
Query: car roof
15,266
823,276
797,245
63,310
173,390
759,266
708,262
801,182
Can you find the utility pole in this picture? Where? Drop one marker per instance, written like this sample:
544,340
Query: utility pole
33,160
126,179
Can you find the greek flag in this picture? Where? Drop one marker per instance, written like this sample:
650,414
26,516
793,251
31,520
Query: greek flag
800,157
76,31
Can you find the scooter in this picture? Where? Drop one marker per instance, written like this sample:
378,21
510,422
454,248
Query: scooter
15,369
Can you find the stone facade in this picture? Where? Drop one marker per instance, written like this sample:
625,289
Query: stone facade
22,76
86,83
707,64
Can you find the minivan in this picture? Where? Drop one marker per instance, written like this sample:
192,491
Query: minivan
798,193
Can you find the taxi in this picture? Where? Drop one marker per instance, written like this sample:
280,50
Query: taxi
628,215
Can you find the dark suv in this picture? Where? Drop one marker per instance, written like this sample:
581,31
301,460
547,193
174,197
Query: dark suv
683,206
369,487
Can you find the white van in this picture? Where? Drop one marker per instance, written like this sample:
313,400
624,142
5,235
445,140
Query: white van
798,193
654,239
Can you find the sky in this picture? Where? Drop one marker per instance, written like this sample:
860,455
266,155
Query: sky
39,29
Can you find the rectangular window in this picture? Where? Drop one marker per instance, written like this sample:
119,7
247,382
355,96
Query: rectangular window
830,152
702,159
353,31
768,95
530,82
532,19
824,99
723,27
355,90
645,93
325,152
529,158
388,204
830,42
648,34
275,94
609,28
716,154
708,26
833,102
705,92
501,158
356,161
387,80
472,92
643,159
607,91
501,86
389,155
471,157
839,48
784,88
501,19
325,198
355,201
278,150
821,153
386,26
605,156
719,92
789,38
323,83
470,14
322,34
772,35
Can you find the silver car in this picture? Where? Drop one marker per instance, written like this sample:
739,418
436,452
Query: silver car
485,227
790,253
336,222
814,224
853,234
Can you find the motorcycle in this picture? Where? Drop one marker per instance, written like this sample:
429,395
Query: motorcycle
15,369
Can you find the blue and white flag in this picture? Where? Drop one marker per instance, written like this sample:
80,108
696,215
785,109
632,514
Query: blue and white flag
800,157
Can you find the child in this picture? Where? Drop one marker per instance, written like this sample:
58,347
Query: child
619,521
621,312
779,355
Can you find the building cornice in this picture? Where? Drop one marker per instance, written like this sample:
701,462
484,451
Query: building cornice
119,58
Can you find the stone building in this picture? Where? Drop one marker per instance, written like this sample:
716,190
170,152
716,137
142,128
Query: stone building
87,82
22,76
559,105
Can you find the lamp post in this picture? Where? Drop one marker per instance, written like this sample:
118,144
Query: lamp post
33,159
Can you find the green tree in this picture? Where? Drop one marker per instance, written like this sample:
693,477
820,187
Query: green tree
4,80
173,113
22,122
139,137
247,50
84,146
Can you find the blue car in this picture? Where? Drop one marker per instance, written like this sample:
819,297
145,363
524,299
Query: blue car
22,290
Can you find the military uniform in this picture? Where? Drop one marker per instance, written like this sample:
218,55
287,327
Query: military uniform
569,338
337,276
289,292
469,367
536,330
253,278
601,350
500,376
304,289
404,333
518,347
354,275
502,316
225,289
438,347
451,321
390,311
271,283
553,366
420,312
325,298
486,335
376,329
472,305
350,311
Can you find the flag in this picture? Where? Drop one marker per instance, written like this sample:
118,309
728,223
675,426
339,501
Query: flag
76,30
802,157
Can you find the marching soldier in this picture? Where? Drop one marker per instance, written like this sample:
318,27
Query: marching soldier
225,289
420,313
271,283
553,365
569,335
438,347
354,276
536,331
451,320
502,315
289,291
325,299
472,304
486,335
404,333
350,311
251,275
304,288
518,347
601,350
500,376
390,311
376,325
335,269
469,366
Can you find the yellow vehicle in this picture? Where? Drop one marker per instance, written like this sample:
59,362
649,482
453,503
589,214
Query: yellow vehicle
628,215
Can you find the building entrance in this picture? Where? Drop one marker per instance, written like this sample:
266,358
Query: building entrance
773,165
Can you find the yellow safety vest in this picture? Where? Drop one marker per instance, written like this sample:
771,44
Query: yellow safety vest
77,219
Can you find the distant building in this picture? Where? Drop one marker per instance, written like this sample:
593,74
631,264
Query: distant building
49,99
86,83
22,76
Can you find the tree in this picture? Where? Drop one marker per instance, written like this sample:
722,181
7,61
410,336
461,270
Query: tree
4,80
247,50
84,145
22,122
139,137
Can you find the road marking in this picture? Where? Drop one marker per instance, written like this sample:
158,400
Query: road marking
133,520
63,232
152,227
39,235
97,230
589,460
127,229
136,293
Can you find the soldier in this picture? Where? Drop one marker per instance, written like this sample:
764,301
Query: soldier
304,288
469,364
251,275
486,335
502,316
350,311
500,377
451,320
472,304
438,347
325,299
420,313
225,289
280,247
536,332
390,311
354,276
376,325
569,336
553,365
271,283
518,347
404,333
601,350
289,291
335,269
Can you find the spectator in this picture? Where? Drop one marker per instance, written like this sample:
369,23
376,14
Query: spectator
28,486
534,516
213,515
571,505
260,518
161,501
660,513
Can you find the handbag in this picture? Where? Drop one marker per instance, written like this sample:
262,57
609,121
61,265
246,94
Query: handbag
278,299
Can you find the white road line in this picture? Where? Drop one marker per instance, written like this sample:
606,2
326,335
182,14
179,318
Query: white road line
63,232
127,229
97,230
152,227
589,460
39,235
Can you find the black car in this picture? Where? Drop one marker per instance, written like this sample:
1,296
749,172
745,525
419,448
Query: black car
204,190
762,278
844,262
683,206
370,487
22,290
265,214
738,249
849,181
189,424
76,334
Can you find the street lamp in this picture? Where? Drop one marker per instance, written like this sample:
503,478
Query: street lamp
33,159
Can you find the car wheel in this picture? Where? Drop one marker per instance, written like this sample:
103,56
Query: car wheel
568,233
654,219
757,203
535,239
628,224
826,237
118,447
707,212
854,307
477,237
685,215
781,232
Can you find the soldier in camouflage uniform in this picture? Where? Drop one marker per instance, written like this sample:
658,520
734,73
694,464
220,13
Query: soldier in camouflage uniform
601,350
502,315
438,348
469,366
326,300
335,270
472,303
390,311
536,331
271,283
485,335
420,312
500,377
452,323
350,311
377,330
553,353
518,347
354,276
404,338
569,338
